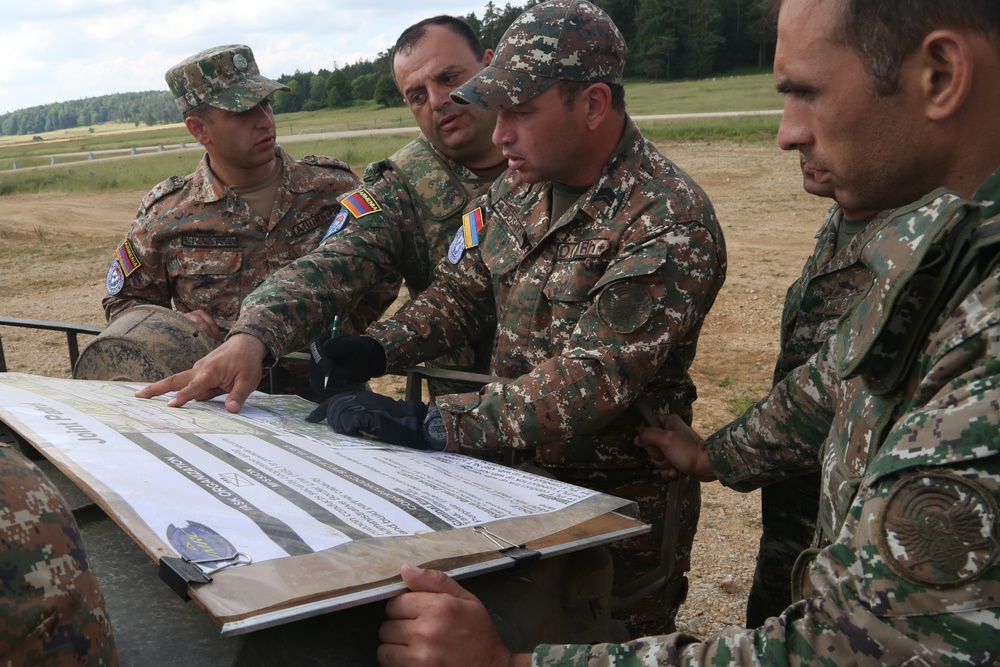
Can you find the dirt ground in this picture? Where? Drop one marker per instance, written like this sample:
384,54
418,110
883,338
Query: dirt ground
55,250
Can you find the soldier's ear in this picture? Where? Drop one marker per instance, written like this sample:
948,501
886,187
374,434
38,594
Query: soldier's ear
198,129
487,57
597,97
947,61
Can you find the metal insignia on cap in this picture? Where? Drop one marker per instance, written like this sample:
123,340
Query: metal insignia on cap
240,61
624,306
938,529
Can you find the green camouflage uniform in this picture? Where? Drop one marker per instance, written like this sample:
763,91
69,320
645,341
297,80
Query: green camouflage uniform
196,245
907,565
51,609
830,281
416,199
596,310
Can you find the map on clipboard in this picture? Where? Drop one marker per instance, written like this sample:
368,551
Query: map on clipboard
264,518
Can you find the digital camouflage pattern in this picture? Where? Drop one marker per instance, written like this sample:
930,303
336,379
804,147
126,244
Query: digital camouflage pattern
51,610
597,309
560,40
419,195
197,245
831,279
908,566
226,77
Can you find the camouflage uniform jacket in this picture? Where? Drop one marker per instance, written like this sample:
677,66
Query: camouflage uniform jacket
197,245
909,570
829,283
594,310
406,214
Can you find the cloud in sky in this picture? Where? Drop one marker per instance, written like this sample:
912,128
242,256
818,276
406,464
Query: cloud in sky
59,50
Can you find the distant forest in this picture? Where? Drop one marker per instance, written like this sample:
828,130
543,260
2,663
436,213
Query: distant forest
667,40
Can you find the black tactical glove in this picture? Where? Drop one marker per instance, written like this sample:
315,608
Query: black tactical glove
407,423
344,360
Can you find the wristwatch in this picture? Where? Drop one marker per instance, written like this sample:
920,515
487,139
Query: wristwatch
435,434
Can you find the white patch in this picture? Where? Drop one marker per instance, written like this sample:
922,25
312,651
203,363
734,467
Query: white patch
116,278
457,248
337,224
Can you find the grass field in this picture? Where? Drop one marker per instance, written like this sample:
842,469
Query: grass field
96,173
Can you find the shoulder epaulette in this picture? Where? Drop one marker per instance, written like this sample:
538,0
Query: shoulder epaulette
440,196
326,162
160,191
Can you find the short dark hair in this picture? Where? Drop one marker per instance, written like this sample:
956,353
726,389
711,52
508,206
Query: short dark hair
201,111
568,91
884,32
412,36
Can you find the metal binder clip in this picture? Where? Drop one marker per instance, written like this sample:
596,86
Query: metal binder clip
521,555
179,573
238,558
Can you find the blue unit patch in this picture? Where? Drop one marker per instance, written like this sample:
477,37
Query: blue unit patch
116,278
338,223
457,248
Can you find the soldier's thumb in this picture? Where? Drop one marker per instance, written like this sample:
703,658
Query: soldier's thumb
420,580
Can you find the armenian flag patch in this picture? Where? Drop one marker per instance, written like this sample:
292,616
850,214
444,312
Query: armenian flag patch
472,224
127,258
360,203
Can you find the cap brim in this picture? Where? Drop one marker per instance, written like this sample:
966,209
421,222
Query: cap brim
247,94
496,88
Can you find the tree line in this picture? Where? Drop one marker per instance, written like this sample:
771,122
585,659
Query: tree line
667,40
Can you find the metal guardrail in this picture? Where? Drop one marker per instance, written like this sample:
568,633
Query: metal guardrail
71,330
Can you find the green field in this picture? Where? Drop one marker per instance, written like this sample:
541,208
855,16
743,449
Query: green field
85,174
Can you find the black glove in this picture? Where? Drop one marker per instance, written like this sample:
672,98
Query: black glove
344,360
406,423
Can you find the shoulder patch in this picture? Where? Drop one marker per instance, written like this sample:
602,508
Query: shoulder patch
472,224
115,279
624,306
938,529
457,247
360,203
160,191
324,161
338,223
127,258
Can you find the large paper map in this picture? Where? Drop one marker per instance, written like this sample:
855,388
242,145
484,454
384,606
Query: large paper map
205,485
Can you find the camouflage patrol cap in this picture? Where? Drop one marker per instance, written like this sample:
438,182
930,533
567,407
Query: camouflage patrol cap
560,40
224,76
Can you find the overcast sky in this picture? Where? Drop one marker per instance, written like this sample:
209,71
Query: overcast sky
59,50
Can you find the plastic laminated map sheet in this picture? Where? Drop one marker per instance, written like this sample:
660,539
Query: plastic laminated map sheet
283,519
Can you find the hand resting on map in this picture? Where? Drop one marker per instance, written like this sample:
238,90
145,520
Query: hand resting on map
234,368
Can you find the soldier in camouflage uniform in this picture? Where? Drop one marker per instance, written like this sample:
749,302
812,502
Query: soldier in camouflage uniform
597,258
831,279
200,243
898,409
51,608
398,224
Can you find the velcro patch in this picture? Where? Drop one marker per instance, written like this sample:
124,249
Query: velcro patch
210,242
360,203
582,249
318,220
624,306
127,258
457,247
115,279
472,224
337,224
938,529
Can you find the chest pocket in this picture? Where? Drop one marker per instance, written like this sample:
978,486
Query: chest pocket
568,293
209,262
